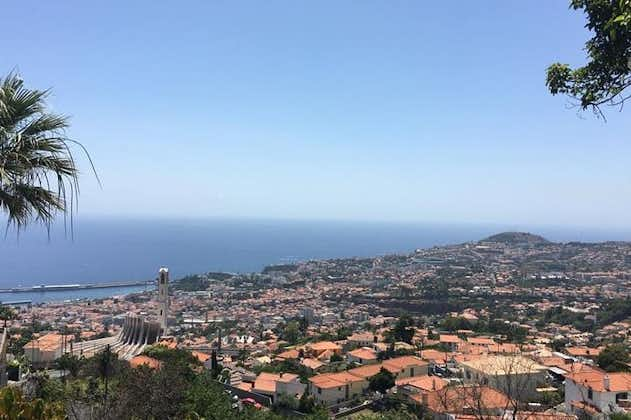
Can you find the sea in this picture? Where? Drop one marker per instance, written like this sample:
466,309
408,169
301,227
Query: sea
101,250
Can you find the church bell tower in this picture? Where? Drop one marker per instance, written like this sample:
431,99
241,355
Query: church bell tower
163,297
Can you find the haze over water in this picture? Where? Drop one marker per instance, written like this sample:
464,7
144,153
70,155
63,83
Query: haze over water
125,249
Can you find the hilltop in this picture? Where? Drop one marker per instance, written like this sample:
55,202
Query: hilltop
516,238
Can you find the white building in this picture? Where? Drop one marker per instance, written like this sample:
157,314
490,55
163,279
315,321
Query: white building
514,375
596,393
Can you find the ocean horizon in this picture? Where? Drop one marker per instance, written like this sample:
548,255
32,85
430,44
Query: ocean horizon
109,249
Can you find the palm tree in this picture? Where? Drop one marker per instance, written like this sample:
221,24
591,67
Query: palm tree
7,313
38,173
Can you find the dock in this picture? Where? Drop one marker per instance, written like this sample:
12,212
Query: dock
63,287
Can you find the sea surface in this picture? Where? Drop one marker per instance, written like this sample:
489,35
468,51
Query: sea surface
111,250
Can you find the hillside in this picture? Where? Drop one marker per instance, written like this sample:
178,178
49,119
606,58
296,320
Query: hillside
516,238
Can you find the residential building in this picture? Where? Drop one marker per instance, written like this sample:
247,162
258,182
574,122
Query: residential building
597,393
515,375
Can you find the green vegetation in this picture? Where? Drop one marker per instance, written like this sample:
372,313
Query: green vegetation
110,388
513,333
279,268
559,315
382,381
7,313
285,366
192,283
620,416
614,311
398,414
607,75
516,238
13,406
614,358
38,174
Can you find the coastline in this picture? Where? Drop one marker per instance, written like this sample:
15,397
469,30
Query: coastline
53,296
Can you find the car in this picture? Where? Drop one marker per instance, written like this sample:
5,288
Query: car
252,403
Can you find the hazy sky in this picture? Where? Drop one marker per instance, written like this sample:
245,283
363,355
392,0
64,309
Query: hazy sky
362,110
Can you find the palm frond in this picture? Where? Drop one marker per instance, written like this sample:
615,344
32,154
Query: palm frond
38,172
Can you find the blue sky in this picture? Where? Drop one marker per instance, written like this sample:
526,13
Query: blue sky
361,110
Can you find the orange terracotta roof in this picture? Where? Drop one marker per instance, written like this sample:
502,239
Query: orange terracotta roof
324,345
362,336
146,361
458,399
246,386
404,361
364,353
424,382
582,351
334,380
596,378
485,341
202,357
504,348
435,356
556,361
289,354
368,370
312,363
49,342
446,338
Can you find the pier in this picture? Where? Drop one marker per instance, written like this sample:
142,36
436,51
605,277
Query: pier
62,287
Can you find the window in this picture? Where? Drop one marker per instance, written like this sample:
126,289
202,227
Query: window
621,396
590,393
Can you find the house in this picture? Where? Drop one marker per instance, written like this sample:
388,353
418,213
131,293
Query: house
451,342
480,341
515,375
583,352
596,393
335,388
419,384
362,355
361,339
435,357
292,354
504,348
406,366
320,348
43,351
447,403
275,384
314,365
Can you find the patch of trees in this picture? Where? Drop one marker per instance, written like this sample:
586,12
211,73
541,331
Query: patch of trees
403,330
382,381
614,358
280,268
559,315
614,311
192,283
